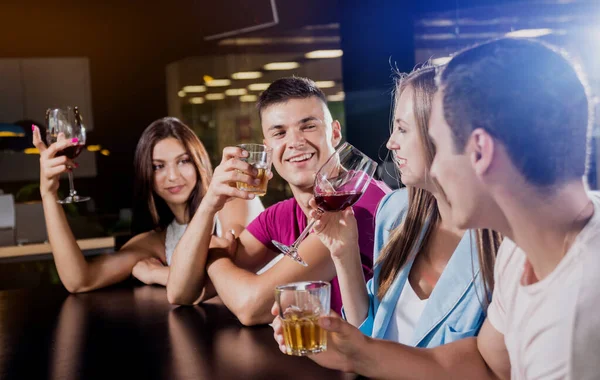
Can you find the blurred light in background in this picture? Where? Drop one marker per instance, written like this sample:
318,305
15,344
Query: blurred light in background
529,33
248,98
197,100
31,151
218,83
247,75
198,88
216,96
258,86
280,41
11,130
94,148
11,134
281,66
318,54
340,96
105,152
325,83
181,94
236,92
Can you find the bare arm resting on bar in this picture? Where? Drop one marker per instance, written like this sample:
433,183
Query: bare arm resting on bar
483,357
186,282
77,274
143,256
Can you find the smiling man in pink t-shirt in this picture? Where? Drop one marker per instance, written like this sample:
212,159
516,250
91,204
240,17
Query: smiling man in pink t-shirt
298,126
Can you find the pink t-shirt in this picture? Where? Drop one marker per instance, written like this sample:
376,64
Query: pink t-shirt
285,221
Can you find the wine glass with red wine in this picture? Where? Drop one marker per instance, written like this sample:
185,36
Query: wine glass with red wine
339,183
67,123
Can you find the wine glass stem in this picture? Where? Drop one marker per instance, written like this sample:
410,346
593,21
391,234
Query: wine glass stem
306,231
72,191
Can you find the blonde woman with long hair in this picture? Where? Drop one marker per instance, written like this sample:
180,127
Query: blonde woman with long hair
432,281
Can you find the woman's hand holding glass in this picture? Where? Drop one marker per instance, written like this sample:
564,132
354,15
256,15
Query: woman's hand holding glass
336,230
231,170
51,165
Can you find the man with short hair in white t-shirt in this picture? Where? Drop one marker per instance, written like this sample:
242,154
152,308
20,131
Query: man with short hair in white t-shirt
510,124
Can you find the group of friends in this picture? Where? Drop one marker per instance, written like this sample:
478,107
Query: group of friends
485,265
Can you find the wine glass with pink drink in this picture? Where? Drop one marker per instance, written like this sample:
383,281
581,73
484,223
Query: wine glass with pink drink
67,123
339,183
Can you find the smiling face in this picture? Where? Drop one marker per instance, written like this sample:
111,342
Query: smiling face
406,144
174,171
302,135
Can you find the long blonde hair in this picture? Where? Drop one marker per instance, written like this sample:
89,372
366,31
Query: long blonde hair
423,216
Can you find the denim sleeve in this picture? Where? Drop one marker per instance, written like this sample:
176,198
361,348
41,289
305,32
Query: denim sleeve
366,327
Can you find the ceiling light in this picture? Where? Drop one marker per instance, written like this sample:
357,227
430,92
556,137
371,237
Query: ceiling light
529,33
197,100
216,96
258,86
218,83
236,92
247,75
281,66
181,94
93,148
255,41
325,83
248,98
198,88
31,151
324,54
105,152
440,61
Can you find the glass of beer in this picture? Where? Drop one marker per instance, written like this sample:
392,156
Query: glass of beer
300,306
260,156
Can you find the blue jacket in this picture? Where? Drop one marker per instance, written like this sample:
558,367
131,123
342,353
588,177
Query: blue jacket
454,309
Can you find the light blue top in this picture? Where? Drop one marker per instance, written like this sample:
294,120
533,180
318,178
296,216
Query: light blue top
454,309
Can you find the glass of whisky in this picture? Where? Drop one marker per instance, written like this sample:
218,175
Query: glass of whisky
260,156
300,306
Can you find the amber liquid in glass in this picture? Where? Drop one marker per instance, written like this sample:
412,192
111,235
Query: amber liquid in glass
259,190
302,333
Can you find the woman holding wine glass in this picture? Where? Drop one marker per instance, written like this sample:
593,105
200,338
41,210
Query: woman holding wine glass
67,124
432,281
172,178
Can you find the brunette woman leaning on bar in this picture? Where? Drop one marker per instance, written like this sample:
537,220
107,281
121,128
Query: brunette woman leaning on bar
172,178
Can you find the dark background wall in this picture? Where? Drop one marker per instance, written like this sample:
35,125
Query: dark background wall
377,36
129,43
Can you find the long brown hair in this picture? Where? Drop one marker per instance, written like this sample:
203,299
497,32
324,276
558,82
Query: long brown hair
423,216
152,212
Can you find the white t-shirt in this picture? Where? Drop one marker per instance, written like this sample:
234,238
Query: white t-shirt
552,327
407,313
174,233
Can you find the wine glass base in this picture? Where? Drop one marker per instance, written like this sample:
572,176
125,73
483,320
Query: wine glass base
73,199
291,253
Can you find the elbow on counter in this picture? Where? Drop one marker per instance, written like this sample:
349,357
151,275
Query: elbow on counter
250,314
176,298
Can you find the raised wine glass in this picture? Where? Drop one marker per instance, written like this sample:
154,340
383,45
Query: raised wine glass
67,123
339,183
